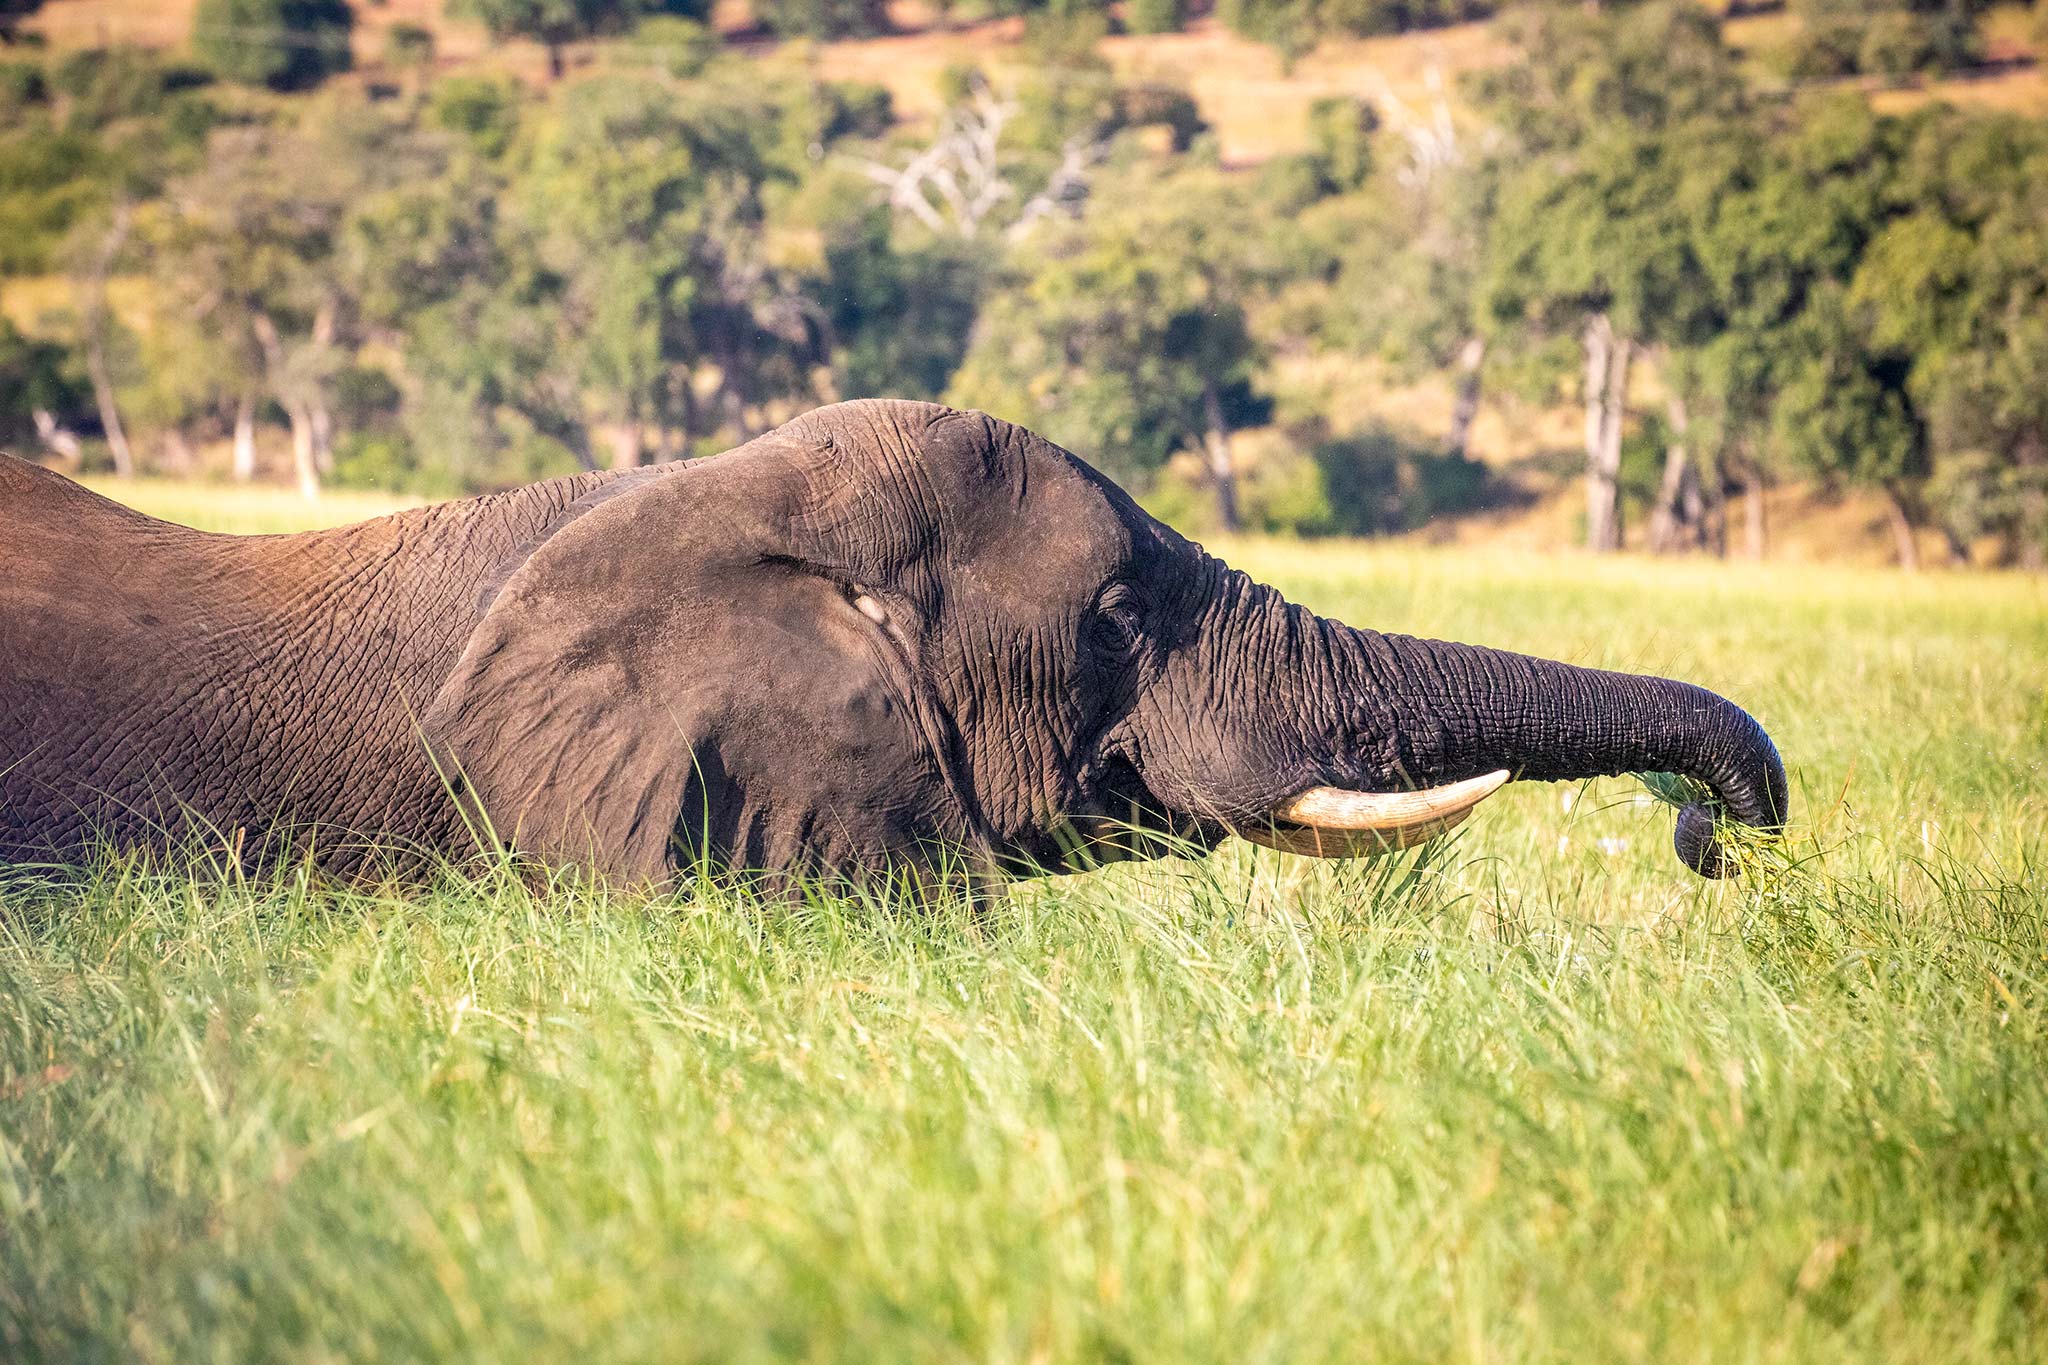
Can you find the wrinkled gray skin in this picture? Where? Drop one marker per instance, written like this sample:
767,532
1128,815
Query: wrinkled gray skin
640,669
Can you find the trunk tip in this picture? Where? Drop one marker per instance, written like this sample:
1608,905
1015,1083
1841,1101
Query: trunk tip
1698,847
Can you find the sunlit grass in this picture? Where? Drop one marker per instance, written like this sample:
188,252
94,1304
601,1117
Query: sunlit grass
1540,1095
251,510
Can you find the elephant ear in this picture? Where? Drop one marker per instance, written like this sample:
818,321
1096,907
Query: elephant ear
617,658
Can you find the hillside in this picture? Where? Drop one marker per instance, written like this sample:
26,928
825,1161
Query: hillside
1258,107
1256,102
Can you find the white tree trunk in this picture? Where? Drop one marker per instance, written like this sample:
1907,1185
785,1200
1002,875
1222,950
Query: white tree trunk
95,319
1905,540
316,400
1607,366
1465,411
322,423
1222,464
1676,515
103,394
244,468
1756,528
305,460
304,465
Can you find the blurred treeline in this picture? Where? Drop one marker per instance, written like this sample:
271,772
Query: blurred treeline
441,281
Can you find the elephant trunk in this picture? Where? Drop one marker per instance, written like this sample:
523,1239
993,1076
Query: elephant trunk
1438,712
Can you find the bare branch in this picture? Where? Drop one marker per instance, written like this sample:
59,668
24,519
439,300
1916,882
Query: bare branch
1065,190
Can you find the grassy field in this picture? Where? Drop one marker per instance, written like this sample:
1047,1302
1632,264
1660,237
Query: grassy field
1538,1095
251,510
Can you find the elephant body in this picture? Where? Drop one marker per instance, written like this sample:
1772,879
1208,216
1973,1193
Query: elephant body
887,635
162,684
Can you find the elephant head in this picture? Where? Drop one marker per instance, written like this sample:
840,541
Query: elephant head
890,633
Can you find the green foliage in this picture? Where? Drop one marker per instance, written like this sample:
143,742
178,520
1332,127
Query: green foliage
12,12
387,460
855,109
1625,124
900,316
563,21
22,88
1340,134
676,44
1377,483
98,88
1891,38
823,19
408,47
1307,483
676,252
482,109
1155,16
35,374
1295,26
49,181
284,44
1844,410
1113,337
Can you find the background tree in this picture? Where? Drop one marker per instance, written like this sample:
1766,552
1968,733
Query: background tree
1958,283
12,12
41,402
1402,234
556,23
284,44
93,255
251,243
824,19
641,206
1295,26
1611,114
409,50
1845,413
1155,16
1891,38
1127,335
900,312
1804,204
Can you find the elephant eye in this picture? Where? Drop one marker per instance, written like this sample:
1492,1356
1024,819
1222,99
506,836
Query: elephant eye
1117,625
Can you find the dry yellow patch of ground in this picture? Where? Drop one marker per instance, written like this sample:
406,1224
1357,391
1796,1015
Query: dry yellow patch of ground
245,509
1257,106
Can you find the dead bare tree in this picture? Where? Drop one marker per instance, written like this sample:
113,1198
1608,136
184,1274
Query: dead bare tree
956,185
1437,150
1432,134
1066,189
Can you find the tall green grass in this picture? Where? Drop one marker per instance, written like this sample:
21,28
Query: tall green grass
1537,1094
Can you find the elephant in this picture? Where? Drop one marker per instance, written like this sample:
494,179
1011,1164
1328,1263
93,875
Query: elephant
885,636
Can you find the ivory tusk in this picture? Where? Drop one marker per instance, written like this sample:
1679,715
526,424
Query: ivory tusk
1329,822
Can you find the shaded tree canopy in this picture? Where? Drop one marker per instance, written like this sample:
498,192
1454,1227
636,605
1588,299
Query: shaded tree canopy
284,44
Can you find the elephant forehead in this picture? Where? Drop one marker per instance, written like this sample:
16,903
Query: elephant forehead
1064,538
890,484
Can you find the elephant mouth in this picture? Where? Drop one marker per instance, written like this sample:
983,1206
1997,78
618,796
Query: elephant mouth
1127,820
1334,822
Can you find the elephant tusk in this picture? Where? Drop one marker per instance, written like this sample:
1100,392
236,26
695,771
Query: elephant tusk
1335,808
1329,822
